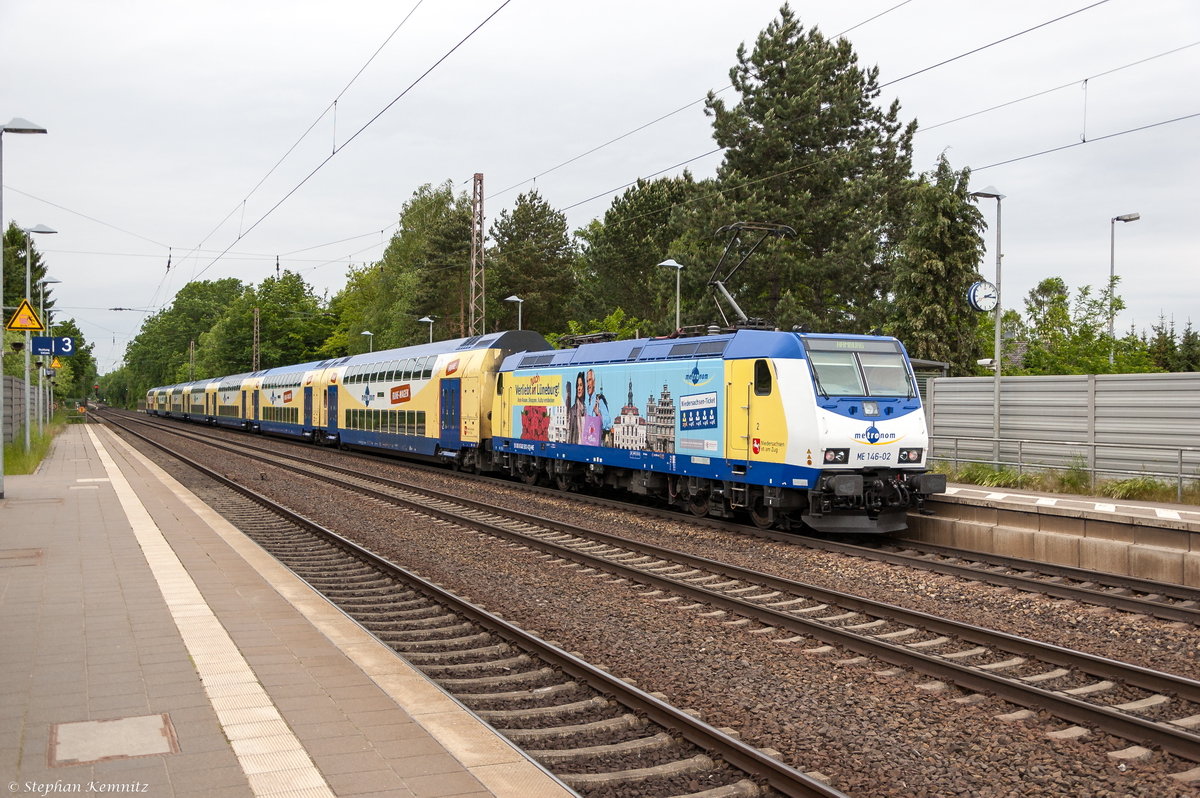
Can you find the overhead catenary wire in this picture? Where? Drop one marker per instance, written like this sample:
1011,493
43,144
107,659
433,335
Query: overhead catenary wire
358,132
668,115
991,44
837,155
332,105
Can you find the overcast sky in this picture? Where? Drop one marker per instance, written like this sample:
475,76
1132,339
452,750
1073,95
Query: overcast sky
164,117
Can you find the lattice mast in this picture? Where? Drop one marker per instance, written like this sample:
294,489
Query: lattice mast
254,364
478,292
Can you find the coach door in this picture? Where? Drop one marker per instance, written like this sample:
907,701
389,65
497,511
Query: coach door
254,401
243,404
331,413
451,414
308,406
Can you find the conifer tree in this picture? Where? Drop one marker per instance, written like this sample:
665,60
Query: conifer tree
809,148
532,257
935,269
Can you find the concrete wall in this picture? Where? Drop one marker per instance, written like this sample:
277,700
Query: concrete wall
1162,550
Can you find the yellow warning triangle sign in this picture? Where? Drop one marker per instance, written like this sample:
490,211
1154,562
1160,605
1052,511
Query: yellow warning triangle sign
25,319
55,364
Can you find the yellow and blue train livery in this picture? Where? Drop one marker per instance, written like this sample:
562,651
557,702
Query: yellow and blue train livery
790,427
431,400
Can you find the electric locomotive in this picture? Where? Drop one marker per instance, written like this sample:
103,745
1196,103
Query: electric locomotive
827,430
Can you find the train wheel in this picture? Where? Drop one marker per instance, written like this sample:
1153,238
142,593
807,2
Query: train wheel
698,505
762,515
564,483
529,474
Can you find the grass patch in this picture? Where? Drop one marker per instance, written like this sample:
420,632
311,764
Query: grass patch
18,461
1074,479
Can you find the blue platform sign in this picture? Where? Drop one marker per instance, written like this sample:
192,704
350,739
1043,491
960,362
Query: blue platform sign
44,345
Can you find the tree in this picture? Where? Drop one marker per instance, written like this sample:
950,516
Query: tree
15,241
160,351
622,326
532,257
1163,349
293,326
1065,337
936,266
424,272
79,370
618,266
1188,358
807,147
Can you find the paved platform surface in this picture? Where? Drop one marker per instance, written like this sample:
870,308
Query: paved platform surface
1100,507
149,647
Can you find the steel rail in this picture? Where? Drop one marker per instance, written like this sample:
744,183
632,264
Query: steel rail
1098,597
754,762
1173,739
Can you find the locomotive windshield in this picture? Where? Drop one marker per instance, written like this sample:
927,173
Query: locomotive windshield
859,368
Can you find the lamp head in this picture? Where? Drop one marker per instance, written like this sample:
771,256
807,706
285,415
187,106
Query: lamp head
988,192
1127,217
19,125
671,262
513,298
40,228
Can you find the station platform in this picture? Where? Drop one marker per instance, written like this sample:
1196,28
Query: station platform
1147,512
149,647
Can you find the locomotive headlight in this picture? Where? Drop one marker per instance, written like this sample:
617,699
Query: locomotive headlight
870,408
911,455
837,456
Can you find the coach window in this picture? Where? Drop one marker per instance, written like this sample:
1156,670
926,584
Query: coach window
762,378
427,371
500,384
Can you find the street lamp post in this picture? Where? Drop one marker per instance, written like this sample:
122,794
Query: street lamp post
41,228
678,267
991,192
41,372
520,302
429,320
370,340
17,125
1112,272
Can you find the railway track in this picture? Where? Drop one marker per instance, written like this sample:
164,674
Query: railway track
1168,601
1135,703
595,732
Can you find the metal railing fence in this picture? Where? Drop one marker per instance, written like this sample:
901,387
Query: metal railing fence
1093,458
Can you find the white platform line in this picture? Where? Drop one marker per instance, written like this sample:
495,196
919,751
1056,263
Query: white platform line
204,636
1169,514
502,768
1106,508
1047,502
996,496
